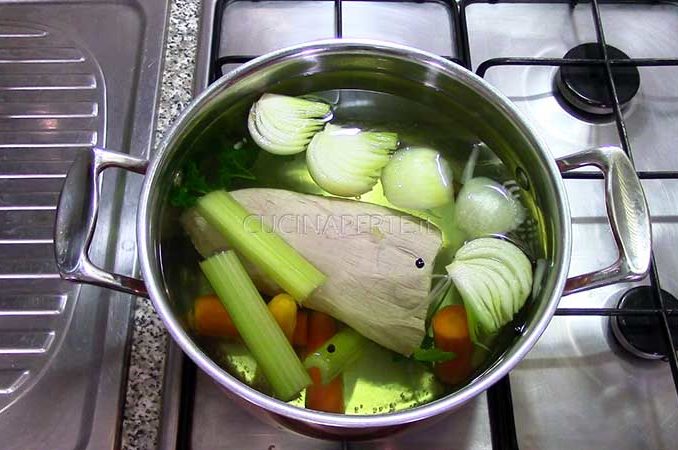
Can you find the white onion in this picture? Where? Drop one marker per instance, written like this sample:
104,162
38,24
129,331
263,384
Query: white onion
486,207
285,125
417,178
494,278
348,161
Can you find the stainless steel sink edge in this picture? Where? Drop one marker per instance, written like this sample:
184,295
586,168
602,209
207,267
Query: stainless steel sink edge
91,363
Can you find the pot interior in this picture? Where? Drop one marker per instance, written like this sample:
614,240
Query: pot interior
444,105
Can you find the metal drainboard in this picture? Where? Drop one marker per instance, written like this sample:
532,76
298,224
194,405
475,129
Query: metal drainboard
73,74
53,105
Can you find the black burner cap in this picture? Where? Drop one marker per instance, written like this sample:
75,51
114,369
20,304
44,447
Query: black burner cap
642,335
585,87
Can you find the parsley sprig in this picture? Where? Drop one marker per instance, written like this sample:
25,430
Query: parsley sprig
206,172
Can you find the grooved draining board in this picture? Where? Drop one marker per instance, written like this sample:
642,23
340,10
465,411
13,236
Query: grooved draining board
72,75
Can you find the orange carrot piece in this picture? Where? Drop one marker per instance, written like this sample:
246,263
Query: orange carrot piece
300,338
210,318
321,327
451,334
323,397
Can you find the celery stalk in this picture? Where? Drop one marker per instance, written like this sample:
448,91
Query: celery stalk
261,246
336,354
256,325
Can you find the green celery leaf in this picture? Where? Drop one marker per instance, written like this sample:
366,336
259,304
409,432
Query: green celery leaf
432,355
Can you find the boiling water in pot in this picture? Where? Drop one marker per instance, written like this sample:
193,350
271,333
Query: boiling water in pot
380,381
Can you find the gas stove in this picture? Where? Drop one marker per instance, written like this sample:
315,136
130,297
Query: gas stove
604,374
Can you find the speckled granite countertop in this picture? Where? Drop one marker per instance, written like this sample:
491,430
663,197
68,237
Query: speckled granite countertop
149,339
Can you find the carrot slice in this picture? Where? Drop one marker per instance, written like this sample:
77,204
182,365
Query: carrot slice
451,334
210,318
323,397
300,338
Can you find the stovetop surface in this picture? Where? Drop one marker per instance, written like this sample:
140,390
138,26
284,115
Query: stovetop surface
640,31
577,388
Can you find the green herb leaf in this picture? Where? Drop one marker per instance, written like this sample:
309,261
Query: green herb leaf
222,170
432,355
190,185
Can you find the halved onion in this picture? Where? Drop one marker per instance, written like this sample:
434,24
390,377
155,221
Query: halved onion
348,161
417,178
485,207
285,125
494,278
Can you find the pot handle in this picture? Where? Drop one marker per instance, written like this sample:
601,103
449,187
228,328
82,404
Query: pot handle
76,219
627,212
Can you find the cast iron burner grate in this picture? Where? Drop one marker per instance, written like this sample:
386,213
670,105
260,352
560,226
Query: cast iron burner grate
604,63
585,88
641,334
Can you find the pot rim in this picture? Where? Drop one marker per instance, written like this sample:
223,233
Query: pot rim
445,404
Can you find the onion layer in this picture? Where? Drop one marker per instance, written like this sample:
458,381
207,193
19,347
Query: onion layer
348,161
494,278
284,125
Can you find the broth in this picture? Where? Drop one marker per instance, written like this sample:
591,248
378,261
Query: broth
381,381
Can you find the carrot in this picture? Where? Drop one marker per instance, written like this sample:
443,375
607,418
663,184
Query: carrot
451,334
300,338
323,397
284,310
210,318
321,327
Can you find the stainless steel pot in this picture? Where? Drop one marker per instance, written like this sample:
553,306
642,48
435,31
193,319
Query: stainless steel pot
373,66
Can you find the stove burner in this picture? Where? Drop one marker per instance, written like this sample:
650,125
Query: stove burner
585,87
642,335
